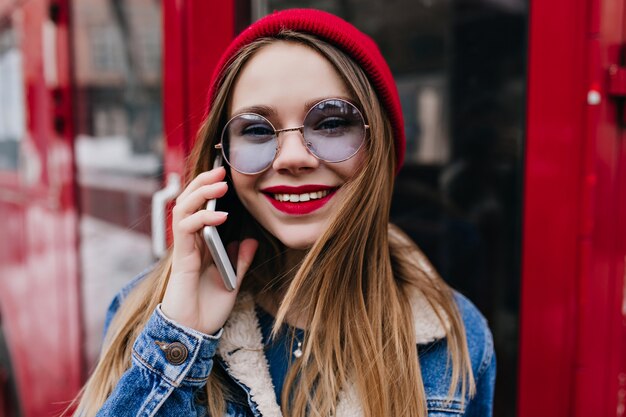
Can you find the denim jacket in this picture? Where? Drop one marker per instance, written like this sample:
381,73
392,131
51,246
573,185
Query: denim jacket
171,363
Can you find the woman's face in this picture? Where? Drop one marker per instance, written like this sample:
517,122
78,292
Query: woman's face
285,79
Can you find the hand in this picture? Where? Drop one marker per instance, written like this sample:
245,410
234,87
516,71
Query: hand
197,298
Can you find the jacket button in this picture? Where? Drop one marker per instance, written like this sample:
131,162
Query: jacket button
175,353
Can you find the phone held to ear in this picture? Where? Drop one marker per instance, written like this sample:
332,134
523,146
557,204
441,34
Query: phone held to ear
216,247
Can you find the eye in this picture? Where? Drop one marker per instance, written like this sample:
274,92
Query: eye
332,126
258,130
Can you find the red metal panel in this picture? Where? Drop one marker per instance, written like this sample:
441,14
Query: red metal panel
211,27
174,93
552,194
195,34
617,342
609,365
600,351
572,359
588,387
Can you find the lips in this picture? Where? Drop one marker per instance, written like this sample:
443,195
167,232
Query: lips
299,200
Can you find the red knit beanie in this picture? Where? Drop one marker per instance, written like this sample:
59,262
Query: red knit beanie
339,33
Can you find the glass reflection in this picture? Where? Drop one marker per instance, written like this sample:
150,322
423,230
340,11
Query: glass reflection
117,58
12,106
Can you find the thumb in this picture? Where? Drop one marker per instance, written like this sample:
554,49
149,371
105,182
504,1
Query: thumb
247,249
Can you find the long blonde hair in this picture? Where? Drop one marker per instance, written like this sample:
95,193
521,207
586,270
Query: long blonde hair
354,284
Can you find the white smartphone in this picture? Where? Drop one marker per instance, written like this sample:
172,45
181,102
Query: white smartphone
216,247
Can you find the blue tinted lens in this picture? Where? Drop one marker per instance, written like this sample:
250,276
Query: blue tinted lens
334,130
249,143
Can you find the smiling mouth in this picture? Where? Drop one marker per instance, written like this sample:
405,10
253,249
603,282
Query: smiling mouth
299,203
296,198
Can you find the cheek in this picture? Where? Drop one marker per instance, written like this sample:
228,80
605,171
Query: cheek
244,187
350,168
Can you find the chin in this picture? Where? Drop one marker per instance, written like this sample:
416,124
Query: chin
297,243
297,239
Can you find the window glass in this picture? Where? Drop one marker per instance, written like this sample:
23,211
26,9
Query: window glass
119,137
460,67
12,106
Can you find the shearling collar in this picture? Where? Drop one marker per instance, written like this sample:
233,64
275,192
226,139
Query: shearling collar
241,348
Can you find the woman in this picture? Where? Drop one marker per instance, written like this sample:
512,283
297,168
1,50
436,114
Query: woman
336,312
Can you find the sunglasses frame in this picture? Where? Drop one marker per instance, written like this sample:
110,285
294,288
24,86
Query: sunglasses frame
306,143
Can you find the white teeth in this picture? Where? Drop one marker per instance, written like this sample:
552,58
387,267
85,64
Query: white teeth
296,198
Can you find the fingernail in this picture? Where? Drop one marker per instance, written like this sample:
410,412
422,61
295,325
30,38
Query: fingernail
223,213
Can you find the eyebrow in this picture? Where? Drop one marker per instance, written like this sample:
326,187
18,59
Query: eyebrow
270,112
265,111
314,101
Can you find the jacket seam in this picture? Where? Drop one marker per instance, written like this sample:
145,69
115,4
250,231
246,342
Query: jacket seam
160,403
436,405
447,410
151,368
193,379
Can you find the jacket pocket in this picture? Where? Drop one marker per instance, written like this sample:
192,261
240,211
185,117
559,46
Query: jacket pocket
444,407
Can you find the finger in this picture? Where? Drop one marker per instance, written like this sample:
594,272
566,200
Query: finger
193,201
247,249
185,231
207,177
198,220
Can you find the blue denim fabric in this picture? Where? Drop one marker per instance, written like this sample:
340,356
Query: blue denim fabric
154,387
436,373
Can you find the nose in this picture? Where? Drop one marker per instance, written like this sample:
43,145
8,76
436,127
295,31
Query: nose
293,155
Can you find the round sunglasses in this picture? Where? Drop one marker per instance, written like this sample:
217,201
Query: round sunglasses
333,130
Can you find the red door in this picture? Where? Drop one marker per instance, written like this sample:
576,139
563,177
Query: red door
196,33
573,318
601,359
39,303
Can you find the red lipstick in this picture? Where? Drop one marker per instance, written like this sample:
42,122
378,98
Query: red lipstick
299,207
301,189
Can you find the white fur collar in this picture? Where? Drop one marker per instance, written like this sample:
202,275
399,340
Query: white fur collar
241,348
